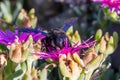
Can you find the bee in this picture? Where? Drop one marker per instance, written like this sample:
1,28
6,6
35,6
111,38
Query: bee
55,39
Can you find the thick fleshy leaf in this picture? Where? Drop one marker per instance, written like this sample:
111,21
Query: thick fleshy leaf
69,32
16,74
95,62
106,36
116,38
110,46
7,15
103,43
98,34
17,9
82,76
78,60
33,18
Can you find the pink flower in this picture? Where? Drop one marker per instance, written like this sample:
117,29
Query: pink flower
114,5
54,55
8,37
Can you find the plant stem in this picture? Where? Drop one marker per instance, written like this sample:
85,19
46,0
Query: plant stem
1,75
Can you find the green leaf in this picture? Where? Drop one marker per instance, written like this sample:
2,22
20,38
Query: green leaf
8,6
8,69
59,73
95,62
103,43
98,34
108,75
24,67
17,9
2,47
4,8
16,74
110,46
106,36
7,15
25,55
66,78
34,22
76,37
43,75
116,38
82,76
70,31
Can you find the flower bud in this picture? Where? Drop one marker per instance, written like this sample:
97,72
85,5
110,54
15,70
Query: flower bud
3,59
103,44
110,46
98,34
23,20
73,37
27,20
106,36
89,56
68,67
37,46
34,74
69,32
15,53
95,63
76,38
33,18
78,60
19,52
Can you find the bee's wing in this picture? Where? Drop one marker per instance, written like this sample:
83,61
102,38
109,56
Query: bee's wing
69,23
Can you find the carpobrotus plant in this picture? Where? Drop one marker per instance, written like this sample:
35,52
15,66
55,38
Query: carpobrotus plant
27,53
75,59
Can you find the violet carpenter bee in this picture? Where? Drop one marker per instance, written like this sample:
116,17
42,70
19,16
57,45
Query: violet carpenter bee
55,39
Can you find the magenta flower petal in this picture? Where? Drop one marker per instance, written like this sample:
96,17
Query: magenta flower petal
38,36
67,49
8,37
23,37
114,5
